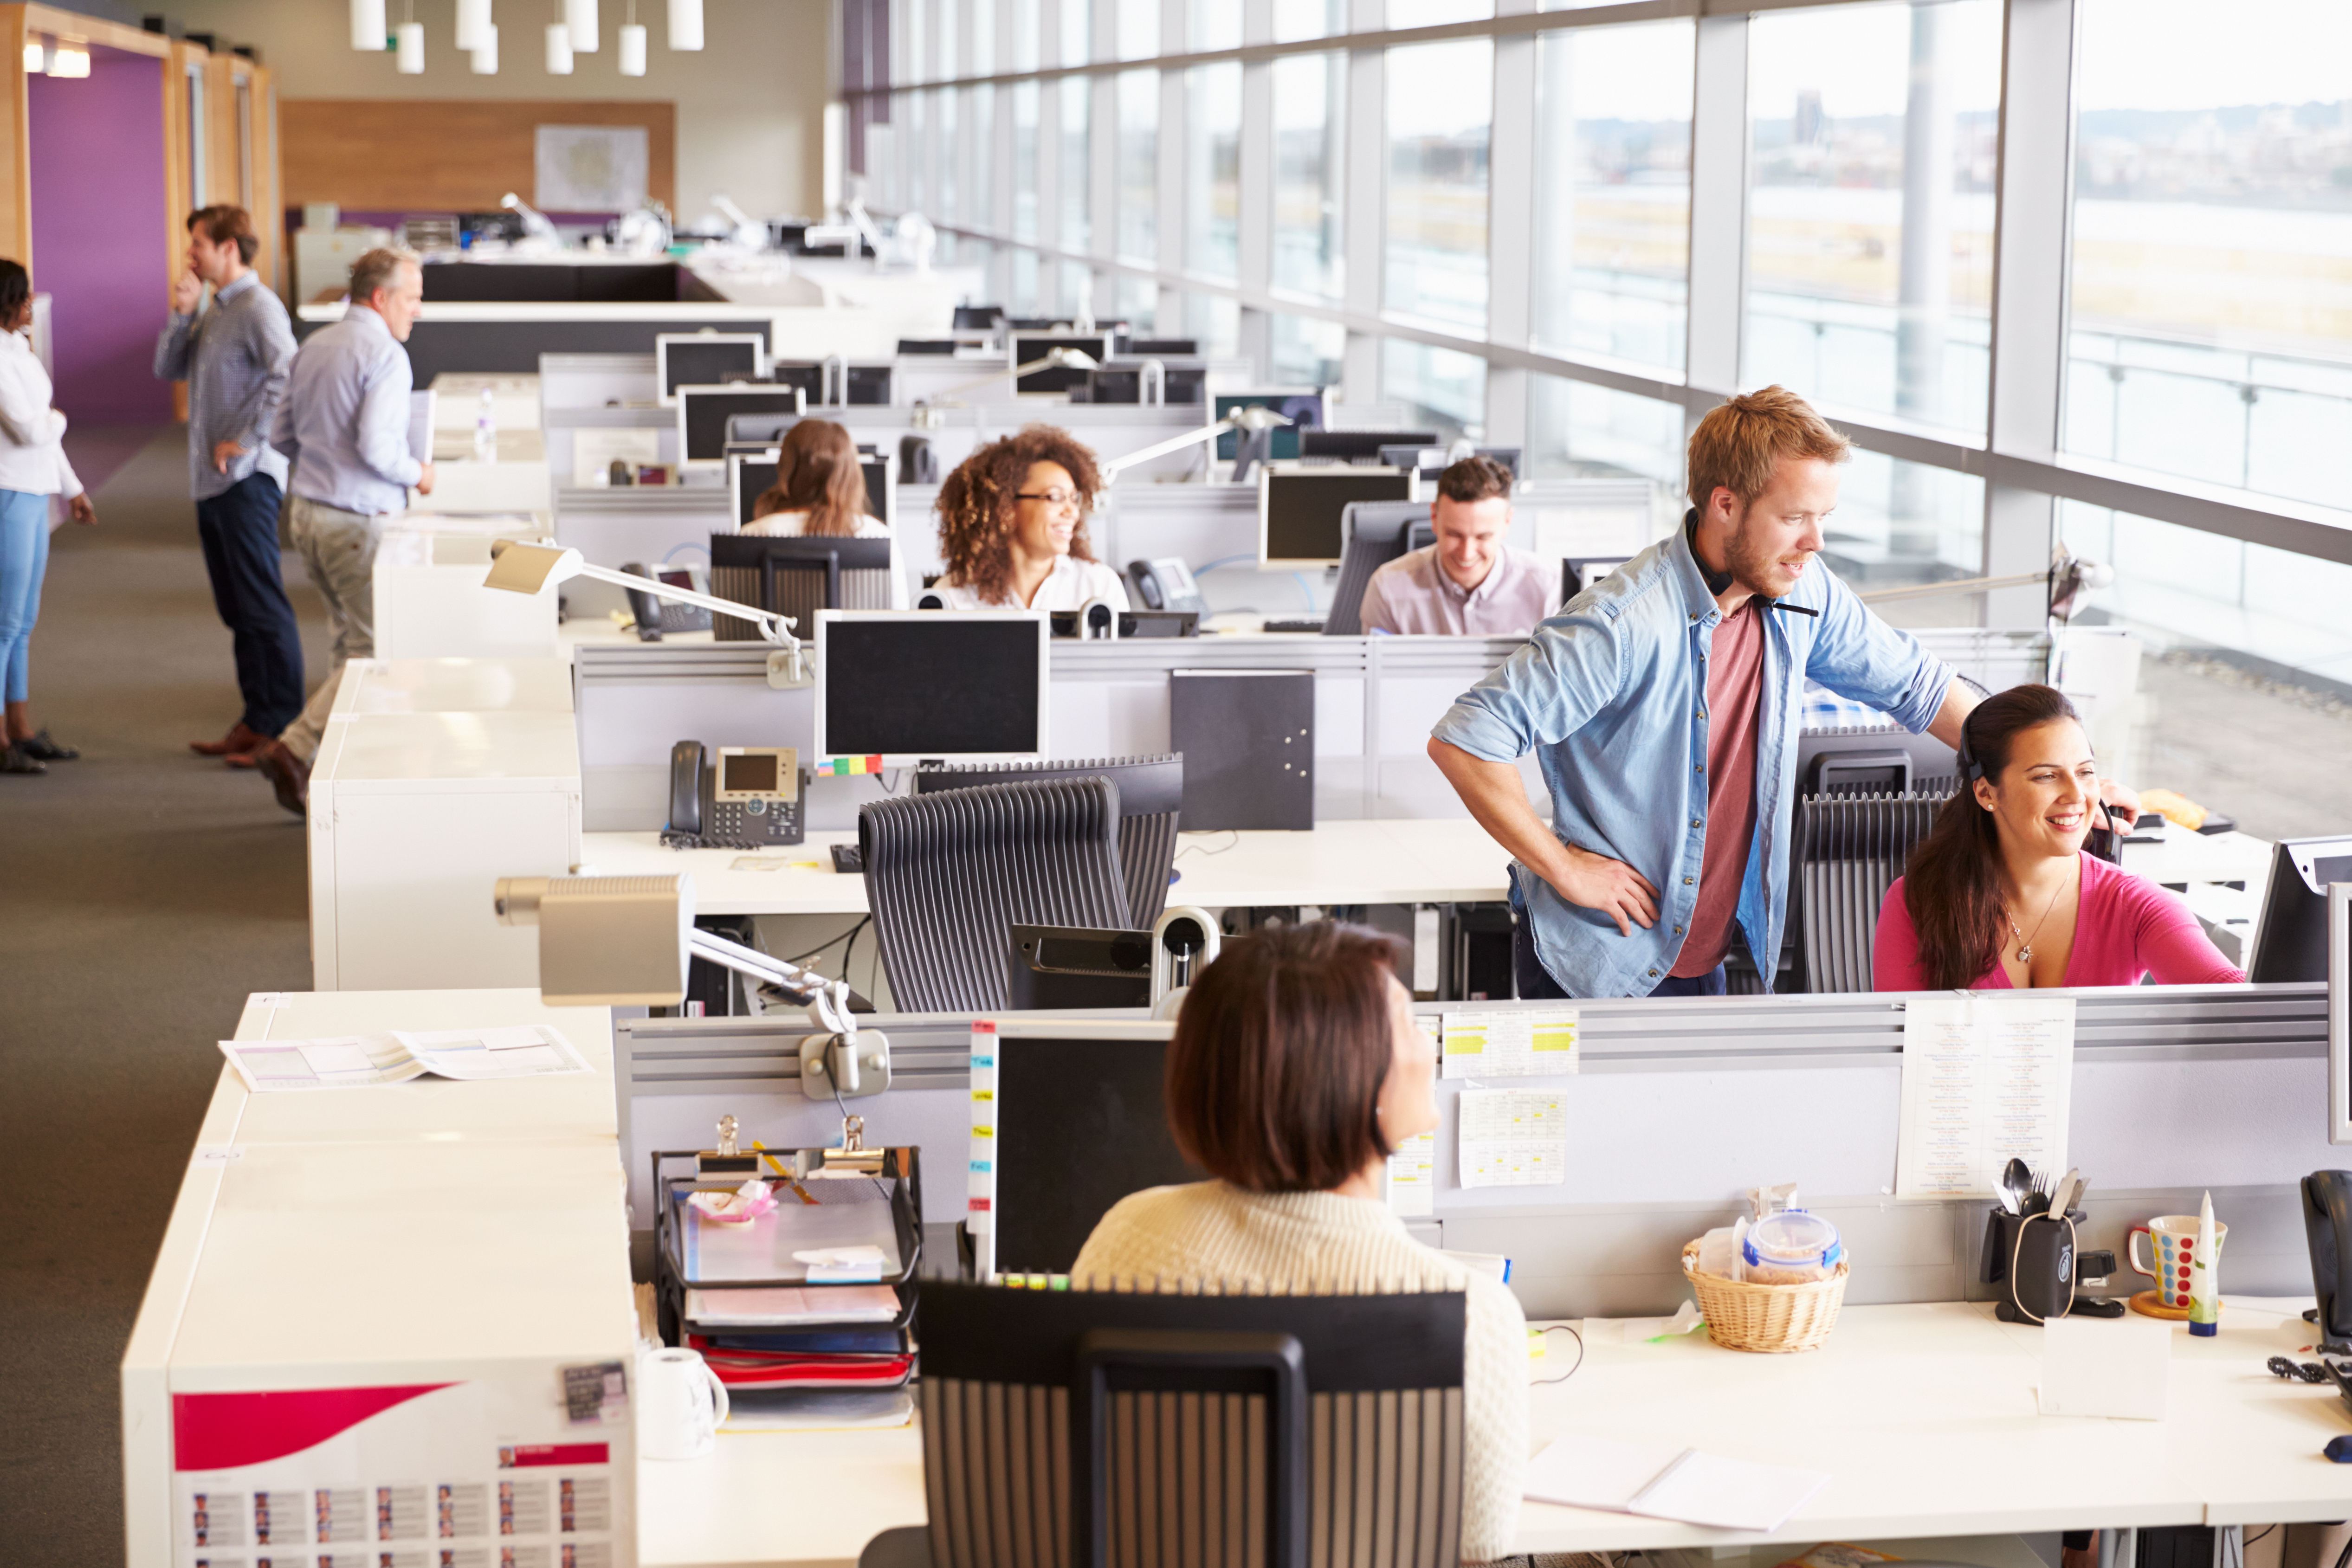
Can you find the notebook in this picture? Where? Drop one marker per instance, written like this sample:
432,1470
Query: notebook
1661,1482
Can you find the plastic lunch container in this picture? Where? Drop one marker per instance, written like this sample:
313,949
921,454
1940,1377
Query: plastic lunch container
1790,1247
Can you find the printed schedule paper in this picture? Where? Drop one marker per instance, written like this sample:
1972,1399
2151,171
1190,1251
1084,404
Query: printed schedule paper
357,1062
1521,1043
1412,1177
1986,1078
1513,1137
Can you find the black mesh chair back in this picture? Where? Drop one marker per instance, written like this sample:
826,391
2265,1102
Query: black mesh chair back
1849,849
1150,791
1375,534
949,874
1075,1428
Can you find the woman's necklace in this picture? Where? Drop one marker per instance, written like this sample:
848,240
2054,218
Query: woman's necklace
2025,943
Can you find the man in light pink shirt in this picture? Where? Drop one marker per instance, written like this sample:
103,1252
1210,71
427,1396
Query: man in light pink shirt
1469,583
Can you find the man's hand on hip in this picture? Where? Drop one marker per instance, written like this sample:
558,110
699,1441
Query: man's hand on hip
1613,887
424,481
224,454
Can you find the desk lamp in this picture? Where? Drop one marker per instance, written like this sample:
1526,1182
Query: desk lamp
930,413
624,940
536,225
2068,578
519,567
1255,426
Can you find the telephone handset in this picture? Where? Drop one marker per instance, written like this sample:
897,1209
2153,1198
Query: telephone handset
751,800
1167,584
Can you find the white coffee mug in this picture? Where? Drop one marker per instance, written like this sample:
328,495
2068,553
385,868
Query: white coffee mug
680,1405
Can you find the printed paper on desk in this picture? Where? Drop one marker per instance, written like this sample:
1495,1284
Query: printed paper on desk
2107,1366
1985,1078
1491,1044
1512,1137
1412,1177
469,1053
1682,1484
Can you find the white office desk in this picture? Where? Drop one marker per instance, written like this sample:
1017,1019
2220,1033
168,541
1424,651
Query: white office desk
1924,1416
454,685
1365,861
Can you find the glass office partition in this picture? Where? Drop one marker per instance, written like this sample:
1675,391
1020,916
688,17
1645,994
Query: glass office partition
1440,112
1213,170
1310,123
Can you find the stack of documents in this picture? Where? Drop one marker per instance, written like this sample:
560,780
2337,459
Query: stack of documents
1659,1482
395,1056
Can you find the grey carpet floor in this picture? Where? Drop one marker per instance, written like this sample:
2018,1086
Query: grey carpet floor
143,892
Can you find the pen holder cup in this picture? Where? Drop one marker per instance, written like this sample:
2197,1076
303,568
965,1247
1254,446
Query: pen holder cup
1772,1319
2034,1258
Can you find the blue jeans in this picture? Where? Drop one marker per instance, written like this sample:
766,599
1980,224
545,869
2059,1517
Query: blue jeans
239,530
24,562
1535,983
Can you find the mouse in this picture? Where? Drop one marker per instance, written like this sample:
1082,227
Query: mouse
2339,1449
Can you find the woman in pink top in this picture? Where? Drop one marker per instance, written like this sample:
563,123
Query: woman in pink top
2001,894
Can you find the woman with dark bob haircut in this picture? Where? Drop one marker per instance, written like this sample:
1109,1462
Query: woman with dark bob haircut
1012,524
2001,894
1296,1071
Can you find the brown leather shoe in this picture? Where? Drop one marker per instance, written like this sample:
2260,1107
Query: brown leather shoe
239,742
288,775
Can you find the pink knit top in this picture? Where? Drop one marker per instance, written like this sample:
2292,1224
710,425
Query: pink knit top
2126,926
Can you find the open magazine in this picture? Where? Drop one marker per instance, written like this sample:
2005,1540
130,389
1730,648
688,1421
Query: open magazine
395,1056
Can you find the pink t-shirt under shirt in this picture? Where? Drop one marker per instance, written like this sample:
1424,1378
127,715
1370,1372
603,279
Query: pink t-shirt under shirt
2124,927
1735,697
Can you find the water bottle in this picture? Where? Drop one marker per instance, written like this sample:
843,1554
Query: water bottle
486,430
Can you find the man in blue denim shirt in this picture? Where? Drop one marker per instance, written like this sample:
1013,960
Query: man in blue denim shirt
1644,743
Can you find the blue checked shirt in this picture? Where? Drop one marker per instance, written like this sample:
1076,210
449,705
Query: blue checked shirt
1611,694
233,359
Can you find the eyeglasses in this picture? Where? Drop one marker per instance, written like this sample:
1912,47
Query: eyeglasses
1056,497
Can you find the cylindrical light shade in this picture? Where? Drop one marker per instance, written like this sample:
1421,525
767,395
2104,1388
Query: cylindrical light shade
559,50
632,44
486,59
686,23
412,47
367,25
473,17
69,62
580,17
36,59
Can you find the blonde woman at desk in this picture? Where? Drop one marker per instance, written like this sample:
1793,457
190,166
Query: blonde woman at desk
1296,1070
2001,894
1012,523
820,489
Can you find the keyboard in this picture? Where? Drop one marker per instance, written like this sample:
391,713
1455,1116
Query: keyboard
1299,625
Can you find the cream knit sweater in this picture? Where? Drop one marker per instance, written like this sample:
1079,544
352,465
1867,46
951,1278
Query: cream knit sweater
1213,1234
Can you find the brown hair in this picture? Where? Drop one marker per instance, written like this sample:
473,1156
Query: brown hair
1275,1075
1952,886
1475,479
977,504
817,472
380,268
222,224
1742,439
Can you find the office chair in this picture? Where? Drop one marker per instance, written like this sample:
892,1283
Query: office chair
949,874
1374,534
1150,792
1849,850
1090,1426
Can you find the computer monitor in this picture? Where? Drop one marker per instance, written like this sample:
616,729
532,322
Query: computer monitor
703,412
1078,1121
949,686
1888,761
869,384
1032,346
919,346
1160,347
1299,510
796,575
752,469
1429,461
707,360
1302,406
1359,445
1579,573
2291,943
979,318
1123,382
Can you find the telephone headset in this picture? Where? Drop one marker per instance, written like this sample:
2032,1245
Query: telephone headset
751,800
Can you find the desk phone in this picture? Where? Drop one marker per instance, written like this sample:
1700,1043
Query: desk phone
749,801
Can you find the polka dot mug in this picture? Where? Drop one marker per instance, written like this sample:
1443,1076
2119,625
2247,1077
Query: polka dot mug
2173,1243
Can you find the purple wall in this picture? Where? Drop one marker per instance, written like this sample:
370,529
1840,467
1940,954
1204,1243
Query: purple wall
98,233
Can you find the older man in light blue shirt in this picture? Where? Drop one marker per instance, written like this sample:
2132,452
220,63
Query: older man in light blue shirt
344,424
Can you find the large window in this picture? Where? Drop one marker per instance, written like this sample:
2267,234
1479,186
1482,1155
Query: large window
1442,390
1077,164
1139,29
1310,134
1216,25
1296,19
1440,109
1077,35
1613,192
1579,431
1306,353
1025,97
946,151
1875,133
1213,171
1138,166
2212,243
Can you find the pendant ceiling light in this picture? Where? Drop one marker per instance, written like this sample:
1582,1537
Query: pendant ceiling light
580,20
685,25
473,17
367,25
632,44
559,49
412,47
486,59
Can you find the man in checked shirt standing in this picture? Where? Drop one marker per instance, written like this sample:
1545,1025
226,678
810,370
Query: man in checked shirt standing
233,358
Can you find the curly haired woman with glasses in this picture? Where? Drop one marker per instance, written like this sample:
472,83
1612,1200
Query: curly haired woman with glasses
1013,524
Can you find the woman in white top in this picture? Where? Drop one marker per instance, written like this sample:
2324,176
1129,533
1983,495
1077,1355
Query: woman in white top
1012,522
33,467
820,493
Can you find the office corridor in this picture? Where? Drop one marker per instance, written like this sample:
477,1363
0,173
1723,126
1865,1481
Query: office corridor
143,892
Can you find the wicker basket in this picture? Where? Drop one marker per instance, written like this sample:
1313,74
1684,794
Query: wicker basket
1773,1319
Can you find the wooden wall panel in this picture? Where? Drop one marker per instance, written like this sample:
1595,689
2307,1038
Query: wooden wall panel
446,154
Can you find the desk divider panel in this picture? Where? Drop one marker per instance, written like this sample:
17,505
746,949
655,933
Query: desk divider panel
1682,1106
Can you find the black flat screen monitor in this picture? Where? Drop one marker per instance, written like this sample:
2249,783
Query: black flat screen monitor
1304,408
1299,510
979,318
869,385
1159,347
940,346
1430,460
1359,445
703,412
749,474
707,358
2291,943
954,686
1081,1122
1123,382
1029,347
